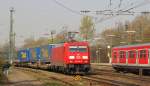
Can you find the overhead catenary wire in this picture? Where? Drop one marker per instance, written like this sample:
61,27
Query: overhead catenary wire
67,8
71,10
124,10
110,10
103,19
138,5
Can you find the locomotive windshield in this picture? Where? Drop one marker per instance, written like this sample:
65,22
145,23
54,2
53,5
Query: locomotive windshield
82,48
78,48
73,48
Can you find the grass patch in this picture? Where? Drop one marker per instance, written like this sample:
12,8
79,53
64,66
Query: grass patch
53,84
50,82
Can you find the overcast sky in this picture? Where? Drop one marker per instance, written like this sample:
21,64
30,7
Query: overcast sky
33,18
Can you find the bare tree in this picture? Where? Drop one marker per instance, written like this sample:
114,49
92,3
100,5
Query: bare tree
87,27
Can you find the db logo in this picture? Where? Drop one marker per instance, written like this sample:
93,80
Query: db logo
78,57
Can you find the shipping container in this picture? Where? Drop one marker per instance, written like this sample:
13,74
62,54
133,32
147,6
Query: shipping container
46,53
23,55
35,54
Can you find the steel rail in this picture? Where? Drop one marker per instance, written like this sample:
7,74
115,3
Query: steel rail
108,81
108,73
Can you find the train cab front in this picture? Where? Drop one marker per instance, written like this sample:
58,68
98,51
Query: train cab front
78,59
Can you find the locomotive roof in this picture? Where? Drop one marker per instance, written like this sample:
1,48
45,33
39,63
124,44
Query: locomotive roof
74,43
136,45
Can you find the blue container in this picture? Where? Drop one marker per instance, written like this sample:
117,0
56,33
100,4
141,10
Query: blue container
24,55
41,54
35,54
38,53
46,53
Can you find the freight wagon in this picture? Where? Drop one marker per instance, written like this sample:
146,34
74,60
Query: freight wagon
37,54
24,55
46,51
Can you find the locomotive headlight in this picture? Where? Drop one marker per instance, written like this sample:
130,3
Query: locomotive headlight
84,57
71,57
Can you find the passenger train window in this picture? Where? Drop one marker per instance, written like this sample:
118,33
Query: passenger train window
131,54
122,54
115,55
142,53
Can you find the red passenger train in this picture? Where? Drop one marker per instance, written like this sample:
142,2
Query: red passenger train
71,57
131,57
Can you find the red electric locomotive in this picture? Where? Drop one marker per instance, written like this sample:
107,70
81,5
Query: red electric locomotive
71,57
131,57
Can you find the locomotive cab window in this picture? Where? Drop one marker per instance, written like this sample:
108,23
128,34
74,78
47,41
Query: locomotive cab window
82,49
73,48
78,48
142,53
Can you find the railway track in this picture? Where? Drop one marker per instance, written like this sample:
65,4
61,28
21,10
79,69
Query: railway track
96,78
108,81
122,75
90,78
46,77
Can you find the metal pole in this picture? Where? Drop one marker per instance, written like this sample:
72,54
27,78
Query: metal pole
11,34
96,56
141,32
108,54
52,36
99,49
14,48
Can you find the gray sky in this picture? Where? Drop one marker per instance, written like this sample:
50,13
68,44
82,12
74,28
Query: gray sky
36,17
